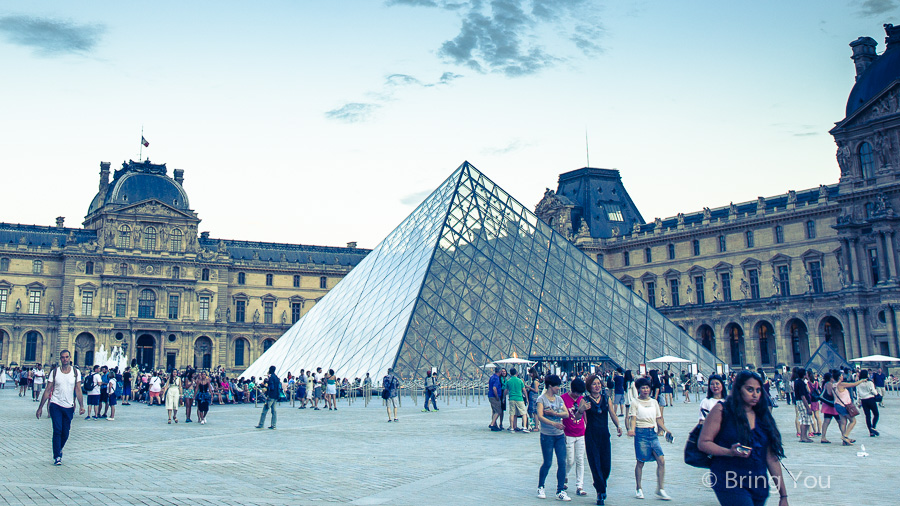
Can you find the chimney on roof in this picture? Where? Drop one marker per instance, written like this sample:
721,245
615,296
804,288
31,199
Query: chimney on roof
178,176
863,53
60,221
351,244
104,182
204,236
892,38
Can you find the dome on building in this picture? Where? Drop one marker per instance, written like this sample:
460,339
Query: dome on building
878,75
139,181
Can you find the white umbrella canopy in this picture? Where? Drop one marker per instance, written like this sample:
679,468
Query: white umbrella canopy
876,358
668,359
491,364
514,361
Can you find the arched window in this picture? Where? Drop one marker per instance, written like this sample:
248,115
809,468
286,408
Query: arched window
147,304
149,238
268,344
269,279
176,272
239,352
31,346
175,240
37,267
242,278
866,160
89,267
124,239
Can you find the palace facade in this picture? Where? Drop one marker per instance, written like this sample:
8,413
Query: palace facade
139,276
764,283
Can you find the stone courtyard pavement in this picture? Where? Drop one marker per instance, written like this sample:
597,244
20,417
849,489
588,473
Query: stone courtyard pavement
352,456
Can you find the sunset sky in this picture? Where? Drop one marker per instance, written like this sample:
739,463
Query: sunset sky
324,122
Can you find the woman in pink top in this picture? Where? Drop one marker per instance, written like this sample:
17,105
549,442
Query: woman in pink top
573,428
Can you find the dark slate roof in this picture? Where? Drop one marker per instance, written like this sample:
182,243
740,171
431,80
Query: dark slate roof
804,197
295,253
590,189
42,237
139,181
878,76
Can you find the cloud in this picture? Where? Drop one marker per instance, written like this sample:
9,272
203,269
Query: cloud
515,145
876,7
415,198
396,80
50,37
353,112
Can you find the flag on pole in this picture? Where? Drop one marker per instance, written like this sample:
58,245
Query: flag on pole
144,142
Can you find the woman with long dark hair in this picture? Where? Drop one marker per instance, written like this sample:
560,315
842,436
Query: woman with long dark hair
843,403
188,389
631,393
204,397
715,394
741,436
598,410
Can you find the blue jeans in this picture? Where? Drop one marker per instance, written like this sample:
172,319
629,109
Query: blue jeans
430,396
270,403
62,420
549,444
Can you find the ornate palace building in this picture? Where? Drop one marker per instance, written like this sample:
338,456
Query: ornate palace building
764,283
138,276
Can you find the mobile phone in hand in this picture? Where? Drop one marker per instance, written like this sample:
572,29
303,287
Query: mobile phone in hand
745,450
670,437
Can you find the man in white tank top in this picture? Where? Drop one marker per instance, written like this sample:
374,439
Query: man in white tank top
63,387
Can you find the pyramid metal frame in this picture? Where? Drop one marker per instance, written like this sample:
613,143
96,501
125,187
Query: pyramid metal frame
472,276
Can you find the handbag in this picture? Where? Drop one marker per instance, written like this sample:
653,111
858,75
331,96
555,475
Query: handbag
846,409
692,454
878,398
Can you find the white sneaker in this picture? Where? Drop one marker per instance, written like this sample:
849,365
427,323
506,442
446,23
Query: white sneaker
663,495
563,496
638,494
541,494
110,419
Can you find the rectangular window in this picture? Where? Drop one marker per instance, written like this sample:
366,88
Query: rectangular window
295,311
121,304
173,307
748,236
815,277
648,255
323,282
726,286
296,281
37,267
4,294
87,303
34,302
204,308
810,229
613,212
204,275
696,245
651,293
754,283
673,285
723,247
600,259
779,234
671,252
240,310
4,264
873,264
784,280
701,293
89,268
268,307
626,258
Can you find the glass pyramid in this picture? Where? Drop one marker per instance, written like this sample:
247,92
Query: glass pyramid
469,277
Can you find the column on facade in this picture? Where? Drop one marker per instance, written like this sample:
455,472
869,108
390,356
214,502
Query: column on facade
867,346
751,347
854,335
890,315
882,258
850,262
861,266
891,254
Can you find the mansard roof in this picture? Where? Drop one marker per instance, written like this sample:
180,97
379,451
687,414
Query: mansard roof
279,252
42,237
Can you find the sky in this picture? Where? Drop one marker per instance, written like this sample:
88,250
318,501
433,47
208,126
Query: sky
328,121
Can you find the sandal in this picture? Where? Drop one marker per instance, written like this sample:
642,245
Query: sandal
825,442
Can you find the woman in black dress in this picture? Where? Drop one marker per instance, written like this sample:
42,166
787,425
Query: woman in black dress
204,397
598,409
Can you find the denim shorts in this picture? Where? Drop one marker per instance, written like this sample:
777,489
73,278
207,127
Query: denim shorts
646,443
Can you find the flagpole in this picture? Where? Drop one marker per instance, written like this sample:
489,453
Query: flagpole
141,152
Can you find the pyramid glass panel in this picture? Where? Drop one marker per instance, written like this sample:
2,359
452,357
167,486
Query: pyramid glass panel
473,276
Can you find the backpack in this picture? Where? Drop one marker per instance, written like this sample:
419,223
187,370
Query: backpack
388,383
88,384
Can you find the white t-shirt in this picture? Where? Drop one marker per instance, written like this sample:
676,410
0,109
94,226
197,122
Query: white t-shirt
706,405
645,412
64,387
111,386
98,383
155,384
38,376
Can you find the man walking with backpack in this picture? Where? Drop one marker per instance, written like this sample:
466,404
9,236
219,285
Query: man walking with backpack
390,393
64,385
273,392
